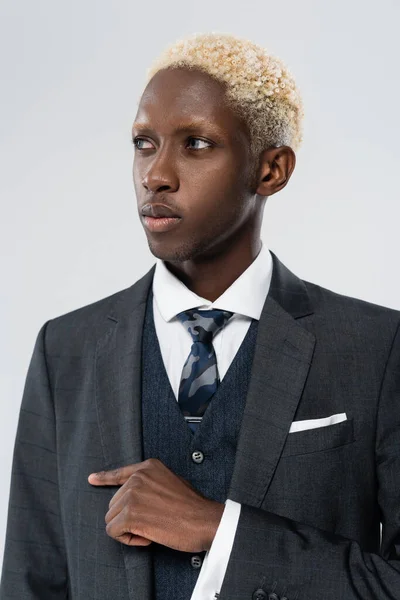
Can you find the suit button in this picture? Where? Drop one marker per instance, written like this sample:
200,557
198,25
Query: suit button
197,456
273,596
259,594
196,561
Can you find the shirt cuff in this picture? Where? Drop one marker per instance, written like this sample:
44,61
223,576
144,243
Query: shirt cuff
215,562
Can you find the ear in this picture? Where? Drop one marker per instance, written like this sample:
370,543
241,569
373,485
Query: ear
275,168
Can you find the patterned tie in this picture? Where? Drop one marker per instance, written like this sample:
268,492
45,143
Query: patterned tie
200,378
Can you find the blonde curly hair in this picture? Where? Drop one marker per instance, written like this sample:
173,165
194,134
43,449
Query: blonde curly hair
258,87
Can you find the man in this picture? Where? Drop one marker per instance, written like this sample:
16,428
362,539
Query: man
222,428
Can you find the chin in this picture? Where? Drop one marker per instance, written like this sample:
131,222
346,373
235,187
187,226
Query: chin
174,253
167,253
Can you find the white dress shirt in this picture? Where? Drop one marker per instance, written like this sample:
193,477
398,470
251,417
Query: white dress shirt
245,298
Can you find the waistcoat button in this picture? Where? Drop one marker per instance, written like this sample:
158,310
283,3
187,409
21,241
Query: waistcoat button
259,594
196,561
197,456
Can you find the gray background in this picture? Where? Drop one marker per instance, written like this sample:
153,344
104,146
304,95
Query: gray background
71,75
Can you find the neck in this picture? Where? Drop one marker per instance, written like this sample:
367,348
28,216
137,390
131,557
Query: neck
210,277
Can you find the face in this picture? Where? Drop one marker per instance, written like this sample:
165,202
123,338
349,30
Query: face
192,154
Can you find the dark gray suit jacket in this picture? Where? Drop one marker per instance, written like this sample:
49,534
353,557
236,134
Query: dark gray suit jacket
312,501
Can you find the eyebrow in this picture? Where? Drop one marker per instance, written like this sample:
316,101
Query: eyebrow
188,126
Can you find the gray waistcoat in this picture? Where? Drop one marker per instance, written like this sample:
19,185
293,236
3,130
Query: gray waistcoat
167,436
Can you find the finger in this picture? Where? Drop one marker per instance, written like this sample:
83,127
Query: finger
116,476
128,486
123,528
131,539
118,494
118,503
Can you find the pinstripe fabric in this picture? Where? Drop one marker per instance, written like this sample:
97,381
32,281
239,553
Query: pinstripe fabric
311,504
35,535
167,437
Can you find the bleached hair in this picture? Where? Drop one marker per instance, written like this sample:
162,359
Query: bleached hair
258,87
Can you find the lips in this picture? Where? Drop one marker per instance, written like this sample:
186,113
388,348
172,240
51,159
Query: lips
158,211
161,224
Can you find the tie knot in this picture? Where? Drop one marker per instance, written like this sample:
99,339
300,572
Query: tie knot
203,324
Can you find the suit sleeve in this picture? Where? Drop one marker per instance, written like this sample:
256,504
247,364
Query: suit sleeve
34,563
275,555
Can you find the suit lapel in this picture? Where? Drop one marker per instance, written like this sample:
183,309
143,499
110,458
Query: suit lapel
118,399
281,363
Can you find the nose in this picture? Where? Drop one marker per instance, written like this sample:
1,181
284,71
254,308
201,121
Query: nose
160,173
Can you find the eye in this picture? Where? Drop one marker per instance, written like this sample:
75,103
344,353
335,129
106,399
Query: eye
137,140
200,140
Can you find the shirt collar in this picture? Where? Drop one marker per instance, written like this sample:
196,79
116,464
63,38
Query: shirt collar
245,296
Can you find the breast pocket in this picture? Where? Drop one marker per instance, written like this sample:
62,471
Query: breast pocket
319,439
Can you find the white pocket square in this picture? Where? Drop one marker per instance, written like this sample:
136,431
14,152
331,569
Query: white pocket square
314,423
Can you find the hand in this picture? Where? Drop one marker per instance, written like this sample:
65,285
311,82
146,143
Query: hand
156,505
